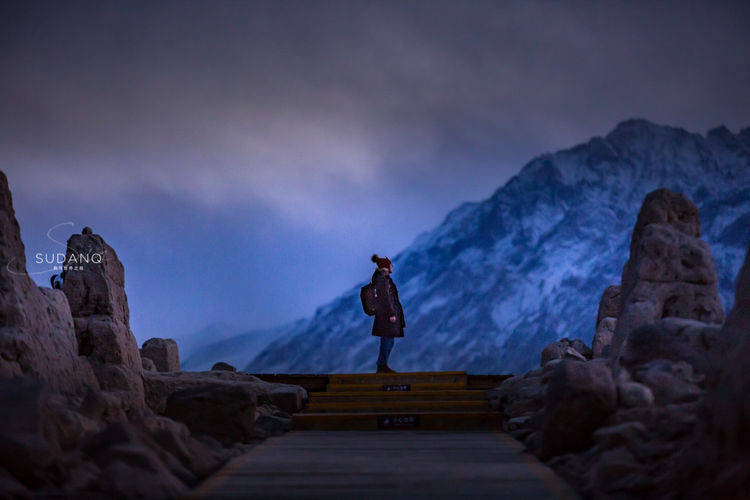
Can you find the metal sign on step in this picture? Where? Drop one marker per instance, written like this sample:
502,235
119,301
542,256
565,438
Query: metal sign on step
396,387
398,421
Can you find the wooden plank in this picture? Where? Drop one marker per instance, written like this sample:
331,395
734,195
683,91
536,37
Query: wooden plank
378,387
353,396
392,405
443,420
395,464
398,378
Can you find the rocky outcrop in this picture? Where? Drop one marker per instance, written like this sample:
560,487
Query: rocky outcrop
719,463
94,284
163,352
73,415
225,412
670,272
36,328
228,406
160,386
579,398
671,402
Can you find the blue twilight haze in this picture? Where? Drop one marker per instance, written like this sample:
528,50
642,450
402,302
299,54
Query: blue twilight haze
246,159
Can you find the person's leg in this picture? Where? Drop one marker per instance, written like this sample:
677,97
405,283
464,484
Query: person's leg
386,344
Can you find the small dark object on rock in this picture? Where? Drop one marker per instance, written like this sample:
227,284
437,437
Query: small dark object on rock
87,230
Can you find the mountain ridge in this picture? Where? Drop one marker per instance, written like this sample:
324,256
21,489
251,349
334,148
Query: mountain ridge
499,278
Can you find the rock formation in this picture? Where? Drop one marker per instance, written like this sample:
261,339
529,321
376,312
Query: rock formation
73,414
719,462
163,352
160,386
36,327
579,398
94,284
670,272
675,404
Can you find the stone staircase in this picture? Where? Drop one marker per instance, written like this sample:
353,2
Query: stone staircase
417,400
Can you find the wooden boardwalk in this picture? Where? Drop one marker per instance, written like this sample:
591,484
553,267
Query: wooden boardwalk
404,464
416,400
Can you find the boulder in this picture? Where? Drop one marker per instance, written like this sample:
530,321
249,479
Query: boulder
579,398
37,337
95,287
670,272
161,385
225,412
164,354
565,348
222,366
605,329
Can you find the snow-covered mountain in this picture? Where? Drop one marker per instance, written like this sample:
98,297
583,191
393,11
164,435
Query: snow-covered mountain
500,278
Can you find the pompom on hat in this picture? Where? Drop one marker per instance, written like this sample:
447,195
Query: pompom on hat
383,262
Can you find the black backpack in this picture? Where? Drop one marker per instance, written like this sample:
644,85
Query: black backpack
369,297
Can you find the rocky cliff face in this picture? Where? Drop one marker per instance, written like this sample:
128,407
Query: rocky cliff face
499,279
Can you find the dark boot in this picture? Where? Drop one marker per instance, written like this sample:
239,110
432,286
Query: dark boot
387,369
382,369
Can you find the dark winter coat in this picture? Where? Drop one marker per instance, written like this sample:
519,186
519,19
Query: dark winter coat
388,305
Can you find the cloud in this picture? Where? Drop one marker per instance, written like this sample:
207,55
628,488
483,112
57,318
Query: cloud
310,107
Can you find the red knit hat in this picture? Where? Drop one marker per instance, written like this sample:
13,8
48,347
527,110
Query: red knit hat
381,261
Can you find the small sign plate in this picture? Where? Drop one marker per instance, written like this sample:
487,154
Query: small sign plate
398,421
396,387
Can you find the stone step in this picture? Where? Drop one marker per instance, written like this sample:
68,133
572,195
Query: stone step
444,420
451,377
365,396
395,406
380,387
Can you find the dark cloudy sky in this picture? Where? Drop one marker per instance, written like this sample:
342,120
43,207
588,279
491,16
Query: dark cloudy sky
246,158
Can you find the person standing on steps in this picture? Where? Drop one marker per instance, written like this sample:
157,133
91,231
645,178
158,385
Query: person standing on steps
389,316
